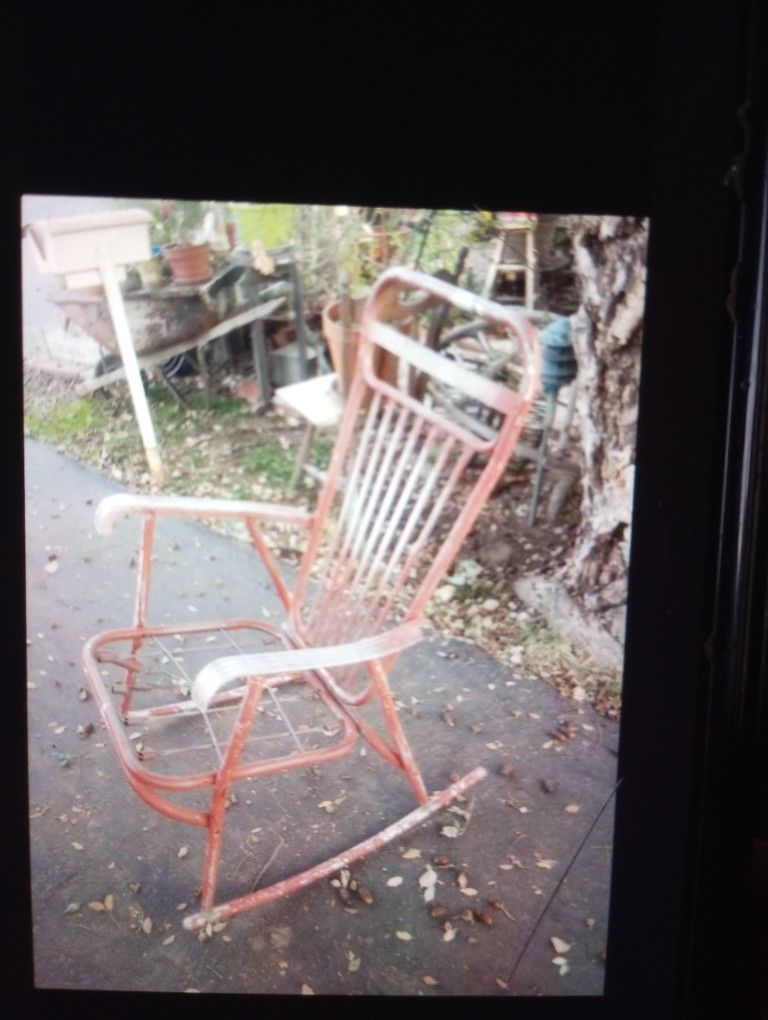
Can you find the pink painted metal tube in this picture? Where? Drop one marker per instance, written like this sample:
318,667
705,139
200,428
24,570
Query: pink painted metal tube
392,720
223,783
143,577
269,561
329,867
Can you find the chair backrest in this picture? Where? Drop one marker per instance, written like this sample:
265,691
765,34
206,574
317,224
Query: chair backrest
387,528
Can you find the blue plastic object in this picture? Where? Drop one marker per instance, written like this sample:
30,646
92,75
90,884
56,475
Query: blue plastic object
558,361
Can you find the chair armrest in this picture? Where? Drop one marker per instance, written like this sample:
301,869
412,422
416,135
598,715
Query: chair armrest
110,508
217,674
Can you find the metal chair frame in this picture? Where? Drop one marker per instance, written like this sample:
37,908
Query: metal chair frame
364,581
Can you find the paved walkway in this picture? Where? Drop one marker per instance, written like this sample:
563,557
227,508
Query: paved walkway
92,837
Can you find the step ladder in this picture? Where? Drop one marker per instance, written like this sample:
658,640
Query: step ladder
513,256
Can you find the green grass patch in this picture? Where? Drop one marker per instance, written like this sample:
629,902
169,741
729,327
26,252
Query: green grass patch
66,421
167,411
321,456
269,461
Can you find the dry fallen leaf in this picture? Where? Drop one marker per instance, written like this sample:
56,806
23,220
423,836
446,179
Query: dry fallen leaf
451,831
96,905
546,864
409,855
449,932
469,891
395,880
167,941
572,809
72,908
501,983
427,881
77,846
183,851
109,901
559,945
354,962
146,925
404,935
429,981
462,880
561,963
51,566
483,917
306,990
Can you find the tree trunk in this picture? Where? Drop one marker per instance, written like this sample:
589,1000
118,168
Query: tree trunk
610,254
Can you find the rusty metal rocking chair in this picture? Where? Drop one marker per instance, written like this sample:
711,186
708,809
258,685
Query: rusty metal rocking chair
365,578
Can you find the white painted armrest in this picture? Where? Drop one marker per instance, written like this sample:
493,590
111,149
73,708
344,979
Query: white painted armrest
217,674
110,508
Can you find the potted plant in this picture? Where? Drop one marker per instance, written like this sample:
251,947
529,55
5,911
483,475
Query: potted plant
180,234
180,231
367,242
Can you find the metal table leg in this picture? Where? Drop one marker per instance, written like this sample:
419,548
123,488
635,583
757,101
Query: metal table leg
260,362
303,454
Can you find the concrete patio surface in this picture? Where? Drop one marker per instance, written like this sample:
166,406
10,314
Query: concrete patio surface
92,838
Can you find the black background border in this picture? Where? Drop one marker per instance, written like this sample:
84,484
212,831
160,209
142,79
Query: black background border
579,109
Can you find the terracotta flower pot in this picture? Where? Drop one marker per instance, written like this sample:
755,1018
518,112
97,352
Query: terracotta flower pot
190,263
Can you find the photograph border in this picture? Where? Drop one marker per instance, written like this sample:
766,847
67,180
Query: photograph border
628,136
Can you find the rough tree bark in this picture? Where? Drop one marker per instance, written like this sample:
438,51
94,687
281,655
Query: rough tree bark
610,256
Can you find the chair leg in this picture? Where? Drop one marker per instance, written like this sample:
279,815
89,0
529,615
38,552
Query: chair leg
303,455
143,577
221,789
392,721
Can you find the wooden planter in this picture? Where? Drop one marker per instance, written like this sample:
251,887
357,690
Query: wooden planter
344,355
